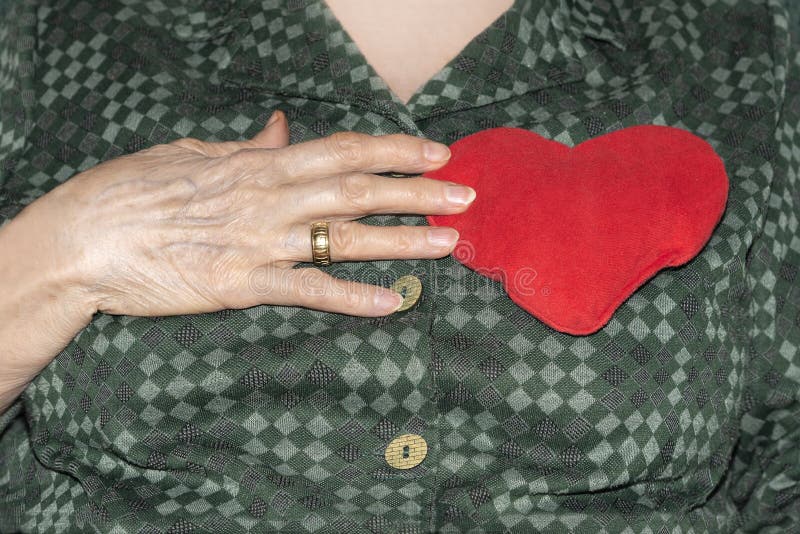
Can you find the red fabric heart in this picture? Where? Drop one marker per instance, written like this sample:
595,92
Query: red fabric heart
572,233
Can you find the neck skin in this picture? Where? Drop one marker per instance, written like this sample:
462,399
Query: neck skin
410,41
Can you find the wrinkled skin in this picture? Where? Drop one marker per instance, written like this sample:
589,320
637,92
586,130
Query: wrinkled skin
192,227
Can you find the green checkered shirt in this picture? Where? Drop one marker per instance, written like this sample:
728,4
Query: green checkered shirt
681,415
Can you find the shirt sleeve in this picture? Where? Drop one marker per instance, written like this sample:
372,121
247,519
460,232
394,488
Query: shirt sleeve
17,64
765,486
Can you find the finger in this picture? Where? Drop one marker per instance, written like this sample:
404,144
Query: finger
354,152
350,240
315,289
357,195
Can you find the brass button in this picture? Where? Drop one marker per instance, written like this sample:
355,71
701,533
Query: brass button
410,287
406,451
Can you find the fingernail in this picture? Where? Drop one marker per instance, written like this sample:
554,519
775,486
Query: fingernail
460,194
388,301
435,152
273,118
442,236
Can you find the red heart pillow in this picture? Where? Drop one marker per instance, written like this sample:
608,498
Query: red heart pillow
572,233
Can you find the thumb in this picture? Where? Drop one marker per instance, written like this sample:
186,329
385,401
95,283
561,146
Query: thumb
275,133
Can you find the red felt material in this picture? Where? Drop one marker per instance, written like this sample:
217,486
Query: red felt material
572,233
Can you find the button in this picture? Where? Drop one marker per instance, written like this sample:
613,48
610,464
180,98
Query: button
406,451
410,287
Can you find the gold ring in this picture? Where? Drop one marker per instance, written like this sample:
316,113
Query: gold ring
320,244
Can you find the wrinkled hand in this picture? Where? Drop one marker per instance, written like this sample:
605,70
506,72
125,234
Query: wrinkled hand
185,227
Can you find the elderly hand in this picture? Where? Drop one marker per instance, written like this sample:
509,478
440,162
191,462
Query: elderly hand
186,227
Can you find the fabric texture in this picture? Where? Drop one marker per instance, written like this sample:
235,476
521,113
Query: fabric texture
571,233
680,415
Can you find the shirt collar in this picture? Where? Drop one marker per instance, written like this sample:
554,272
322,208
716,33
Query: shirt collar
300,49
536,44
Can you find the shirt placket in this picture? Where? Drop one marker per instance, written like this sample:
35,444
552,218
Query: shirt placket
385,393
392,391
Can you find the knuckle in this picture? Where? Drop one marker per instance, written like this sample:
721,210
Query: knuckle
184,183
405,242
264,168
241,160
343,238
346,146
404,149
286,164
352,299
422,191
357,190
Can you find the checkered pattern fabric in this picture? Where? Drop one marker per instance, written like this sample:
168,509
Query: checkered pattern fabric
680,416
